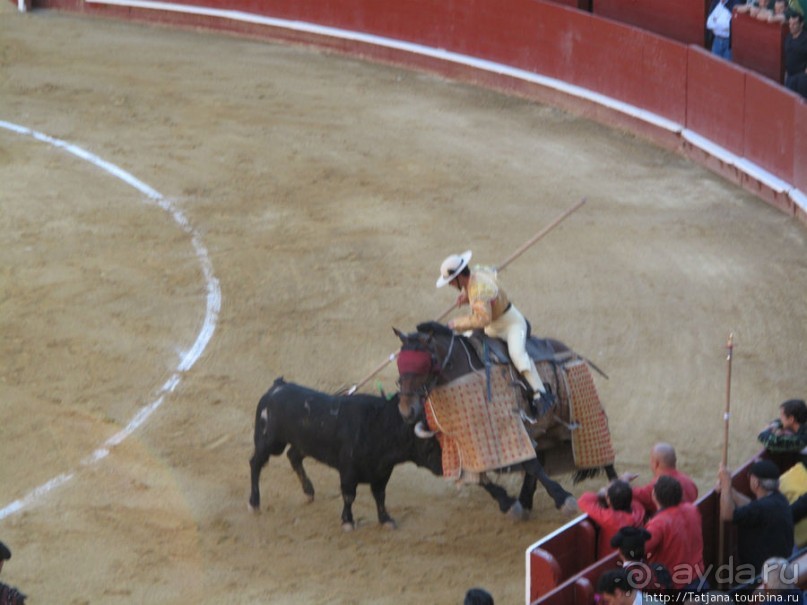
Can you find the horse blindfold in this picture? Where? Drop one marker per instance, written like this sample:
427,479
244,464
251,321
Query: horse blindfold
414,362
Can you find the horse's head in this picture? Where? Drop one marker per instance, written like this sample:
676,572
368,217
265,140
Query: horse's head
418,368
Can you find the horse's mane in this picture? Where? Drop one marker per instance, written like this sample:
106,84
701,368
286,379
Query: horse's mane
434,327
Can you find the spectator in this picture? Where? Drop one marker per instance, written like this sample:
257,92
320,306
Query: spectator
788,433
719,24
478,596
8,595
799,509
676,535
779,14
777,574
613,507
793,485
765,524
615,589
762,10
796,55
663,462
780,582
631,544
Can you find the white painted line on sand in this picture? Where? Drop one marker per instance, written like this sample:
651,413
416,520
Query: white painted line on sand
189,358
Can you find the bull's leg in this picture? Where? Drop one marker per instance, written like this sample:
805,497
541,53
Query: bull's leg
296,459
348,485
256,463
563,499
379,489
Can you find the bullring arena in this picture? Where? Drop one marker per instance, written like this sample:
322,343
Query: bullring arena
187,215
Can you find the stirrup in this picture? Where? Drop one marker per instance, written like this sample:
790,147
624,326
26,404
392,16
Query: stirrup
525,417
570,426
542,403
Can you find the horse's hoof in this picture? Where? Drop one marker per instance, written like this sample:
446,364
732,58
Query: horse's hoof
517,512
309,498
348,527
390,525
255,510
570,507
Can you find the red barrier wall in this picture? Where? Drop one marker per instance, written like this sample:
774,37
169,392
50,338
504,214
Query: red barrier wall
592,53
656,77
681,20
715,99
759,45
800,146
769,126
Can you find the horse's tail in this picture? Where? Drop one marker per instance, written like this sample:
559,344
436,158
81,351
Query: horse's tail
583,474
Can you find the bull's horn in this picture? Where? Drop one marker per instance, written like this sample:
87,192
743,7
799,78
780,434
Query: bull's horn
422,432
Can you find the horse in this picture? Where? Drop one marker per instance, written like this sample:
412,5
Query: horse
435,357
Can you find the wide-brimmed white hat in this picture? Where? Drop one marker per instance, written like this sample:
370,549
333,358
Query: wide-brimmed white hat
452,266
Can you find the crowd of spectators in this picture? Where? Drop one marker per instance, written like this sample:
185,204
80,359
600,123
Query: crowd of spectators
789,12
658,529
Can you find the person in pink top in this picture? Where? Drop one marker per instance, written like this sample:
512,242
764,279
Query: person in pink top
676,535
612,508
662,463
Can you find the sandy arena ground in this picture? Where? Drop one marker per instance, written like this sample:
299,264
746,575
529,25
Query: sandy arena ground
325,191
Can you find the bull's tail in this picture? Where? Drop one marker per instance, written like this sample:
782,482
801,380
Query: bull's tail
264,444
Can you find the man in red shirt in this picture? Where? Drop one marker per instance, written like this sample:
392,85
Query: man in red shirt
611,509
662,463
676,534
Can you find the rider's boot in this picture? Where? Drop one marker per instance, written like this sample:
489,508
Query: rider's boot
542,398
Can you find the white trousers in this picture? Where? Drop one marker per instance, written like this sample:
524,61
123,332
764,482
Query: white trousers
512,328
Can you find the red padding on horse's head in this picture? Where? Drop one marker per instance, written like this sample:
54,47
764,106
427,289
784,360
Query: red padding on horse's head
414,362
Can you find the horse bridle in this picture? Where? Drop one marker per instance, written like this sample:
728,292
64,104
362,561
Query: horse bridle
435,369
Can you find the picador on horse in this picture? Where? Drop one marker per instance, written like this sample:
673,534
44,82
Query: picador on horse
490,405
493,312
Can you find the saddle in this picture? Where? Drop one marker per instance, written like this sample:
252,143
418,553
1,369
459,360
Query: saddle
539,349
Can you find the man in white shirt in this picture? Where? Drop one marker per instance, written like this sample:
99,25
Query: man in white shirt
719,23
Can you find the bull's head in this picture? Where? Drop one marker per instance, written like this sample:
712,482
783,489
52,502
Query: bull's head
417,371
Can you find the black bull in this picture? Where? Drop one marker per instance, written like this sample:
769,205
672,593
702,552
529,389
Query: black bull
361,436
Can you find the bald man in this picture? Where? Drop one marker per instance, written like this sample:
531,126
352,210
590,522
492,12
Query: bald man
662,463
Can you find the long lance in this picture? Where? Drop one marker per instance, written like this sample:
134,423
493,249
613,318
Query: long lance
727,412
721,539
535,238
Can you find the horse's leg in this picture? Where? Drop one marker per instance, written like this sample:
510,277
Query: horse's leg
563,499
498,493
296,460
527,494
379,489
610,472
